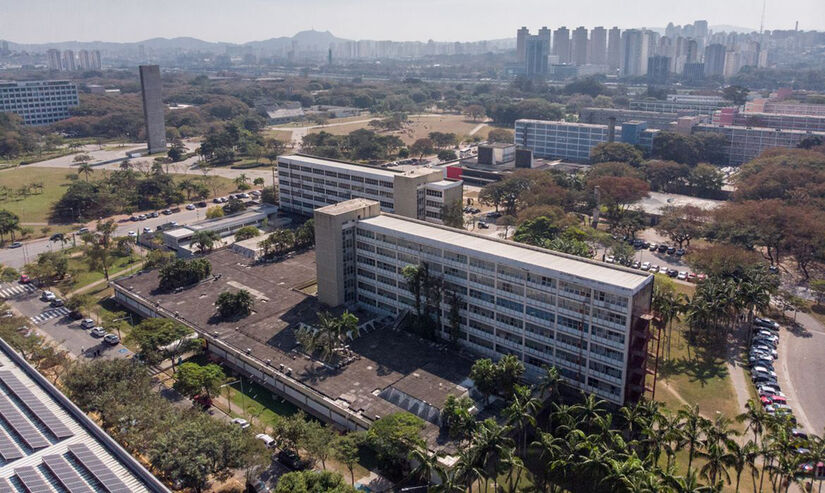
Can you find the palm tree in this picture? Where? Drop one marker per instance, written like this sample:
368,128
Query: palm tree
742,456
521,413
205,240
756,417
589,410
689,483
85,168
489,443
549,382
715,469
691,430
241,180
426,464
816,454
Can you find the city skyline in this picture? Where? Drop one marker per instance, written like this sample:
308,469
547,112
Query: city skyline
453,20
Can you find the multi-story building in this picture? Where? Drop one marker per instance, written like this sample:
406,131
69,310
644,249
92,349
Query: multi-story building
521,43
769,106
572,141
715,60
614,48
705,108
84,60
584,317
602,116
561,44
579,48
69,61
535,61
306,183
658,69
746,143
54,60
805,123
38,102
95,60
598,46
634,53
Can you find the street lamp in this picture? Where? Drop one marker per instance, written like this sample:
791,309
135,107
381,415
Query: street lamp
229,395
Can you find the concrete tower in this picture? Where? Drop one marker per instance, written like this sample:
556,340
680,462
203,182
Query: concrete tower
150,86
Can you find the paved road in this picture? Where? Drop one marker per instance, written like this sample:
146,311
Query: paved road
54,323
801,370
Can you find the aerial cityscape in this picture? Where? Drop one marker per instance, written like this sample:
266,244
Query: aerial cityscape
331,247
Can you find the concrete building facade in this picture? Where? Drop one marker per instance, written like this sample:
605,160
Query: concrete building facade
598,46
746,143
588,319
38,102
306,183
150,85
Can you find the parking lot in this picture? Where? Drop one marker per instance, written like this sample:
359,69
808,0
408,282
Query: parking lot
55,323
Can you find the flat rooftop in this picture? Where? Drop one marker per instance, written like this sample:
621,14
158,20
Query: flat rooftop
45,439
387,358
486,247
318,161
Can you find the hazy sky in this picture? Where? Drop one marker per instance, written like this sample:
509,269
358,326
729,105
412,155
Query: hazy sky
37,21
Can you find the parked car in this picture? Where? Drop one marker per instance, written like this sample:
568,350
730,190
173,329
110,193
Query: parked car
291,460
255,193
680,252
82,231
244,424
653,247
147,230
142,217
190,207
636,265
56,303
609,259
16,244
132,234
654,268
763,379
154,214
663,270
645,266
98,332
166,212
672,273
662,248
763,369
216,200
671,250
764,341
24,279
691,277
111,339
483,225
201,204
767,350
268,440
47,296
87,323
683,275
766,322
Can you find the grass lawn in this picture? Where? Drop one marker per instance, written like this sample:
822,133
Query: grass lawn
34,209
418,127
278,133
35,157
83,276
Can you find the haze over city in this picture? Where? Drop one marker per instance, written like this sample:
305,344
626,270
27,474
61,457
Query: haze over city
240,21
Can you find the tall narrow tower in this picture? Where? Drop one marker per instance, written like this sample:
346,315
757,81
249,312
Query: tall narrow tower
150,86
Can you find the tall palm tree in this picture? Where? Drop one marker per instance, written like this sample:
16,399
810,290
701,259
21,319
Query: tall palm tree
548,385
86,169
715,469
816,454
741,456
689,483
756,418
590,409
489,443
691,430
521,413
427,464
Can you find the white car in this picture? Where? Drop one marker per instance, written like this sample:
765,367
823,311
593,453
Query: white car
663,270
268,440
98,332
244,424
609,259
762,369
147,230
132,234
190,207
87,323
682,276
47,296
645,265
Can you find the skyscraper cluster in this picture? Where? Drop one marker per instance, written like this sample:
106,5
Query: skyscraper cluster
66,61
692,50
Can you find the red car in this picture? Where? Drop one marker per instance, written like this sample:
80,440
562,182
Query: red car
24,279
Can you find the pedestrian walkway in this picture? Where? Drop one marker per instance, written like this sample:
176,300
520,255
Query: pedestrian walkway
50,314
8,290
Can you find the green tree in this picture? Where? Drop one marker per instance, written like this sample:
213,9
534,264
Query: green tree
313,482
346,451
246,233
681,224
670,146
475,111
500,135
393,437
738,95
205,240
452,215
9,223
83,166
182,273
237,304
193,379
422,147
616,152
160,339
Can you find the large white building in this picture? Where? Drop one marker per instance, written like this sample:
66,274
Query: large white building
306,183
588,319
38,102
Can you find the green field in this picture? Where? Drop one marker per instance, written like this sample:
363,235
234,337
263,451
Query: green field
35,157
34,209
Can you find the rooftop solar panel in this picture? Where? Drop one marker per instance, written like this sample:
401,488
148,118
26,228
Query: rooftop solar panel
35,405
66,474
99,470
31,437
8,450
32,480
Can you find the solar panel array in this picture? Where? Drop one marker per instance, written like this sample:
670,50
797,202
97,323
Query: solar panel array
32,480
35,405
28,433
8,450
98,469
66,474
